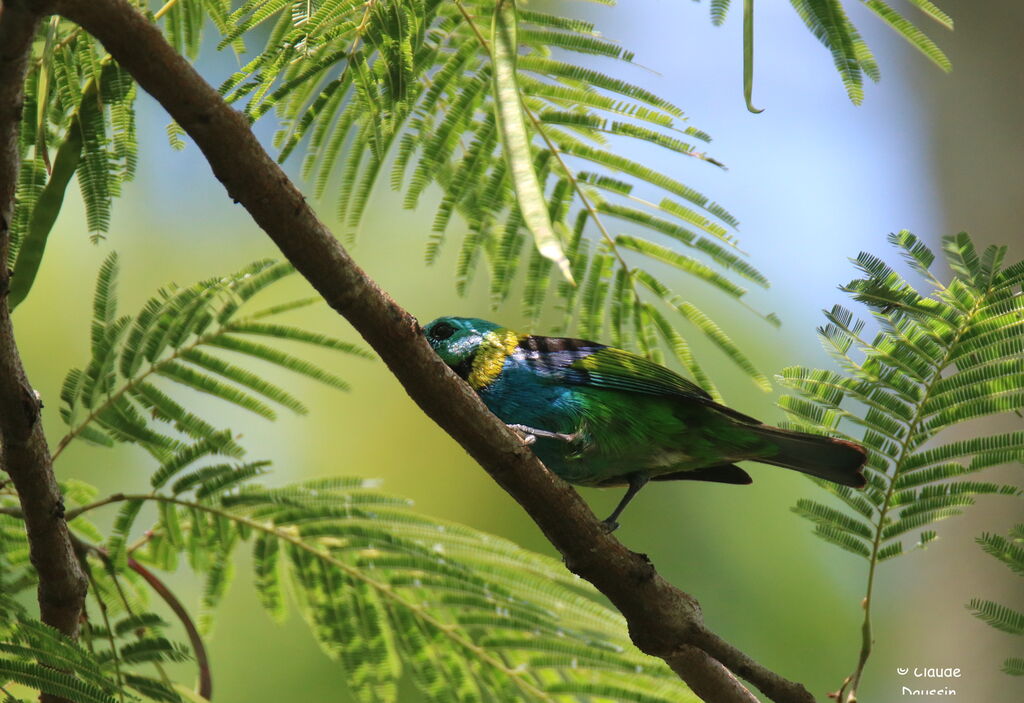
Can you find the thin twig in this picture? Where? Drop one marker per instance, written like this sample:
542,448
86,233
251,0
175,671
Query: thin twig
205,688
110,635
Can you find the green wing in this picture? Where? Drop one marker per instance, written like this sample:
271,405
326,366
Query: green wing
609,367
579,362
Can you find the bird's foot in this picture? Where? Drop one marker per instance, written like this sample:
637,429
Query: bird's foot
609,525
530,434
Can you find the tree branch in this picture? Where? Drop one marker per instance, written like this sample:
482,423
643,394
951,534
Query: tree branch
24,454
663,621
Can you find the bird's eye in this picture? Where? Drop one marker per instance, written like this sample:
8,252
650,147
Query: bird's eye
441,331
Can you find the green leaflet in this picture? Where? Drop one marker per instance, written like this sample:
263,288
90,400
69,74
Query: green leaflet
508,111
51,681
41,658
364,78
929,8
386,591
84,150
719,9
911,33
1014,666
922,338
215,444
1009,550
44,214
998,616
122,525
828,21
748,54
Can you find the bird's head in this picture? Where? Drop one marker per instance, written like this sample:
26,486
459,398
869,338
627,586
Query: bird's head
458,340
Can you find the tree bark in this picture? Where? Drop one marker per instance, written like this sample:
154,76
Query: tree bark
663,621
24,454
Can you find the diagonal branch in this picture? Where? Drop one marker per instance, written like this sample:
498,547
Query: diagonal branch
24,454
663,620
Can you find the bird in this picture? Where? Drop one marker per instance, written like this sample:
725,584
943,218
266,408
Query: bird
600,416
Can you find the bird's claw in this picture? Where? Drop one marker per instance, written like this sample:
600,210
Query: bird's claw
609,525
524,433
530,434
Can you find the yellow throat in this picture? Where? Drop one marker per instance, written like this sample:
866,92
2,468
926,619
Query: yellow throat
495,347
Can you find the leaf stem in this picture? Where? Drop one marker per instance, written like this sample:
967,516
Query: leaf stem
110,634
472,25
165,9
848,691
72,514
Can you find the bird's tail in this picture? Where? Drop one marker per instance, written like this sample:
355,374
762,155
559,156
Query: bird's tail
835,460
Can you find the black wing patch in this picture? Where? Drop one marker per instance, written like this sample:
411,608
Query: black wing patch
555,357
586,363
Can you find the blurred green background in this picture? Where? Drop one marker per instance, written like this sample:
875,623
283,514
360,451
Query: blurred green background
813,179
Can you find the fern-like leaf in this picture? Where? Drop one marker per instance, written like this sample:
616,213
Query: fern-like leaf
940,359
42,659
933,341
387,592
81,103
174,337
998,616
